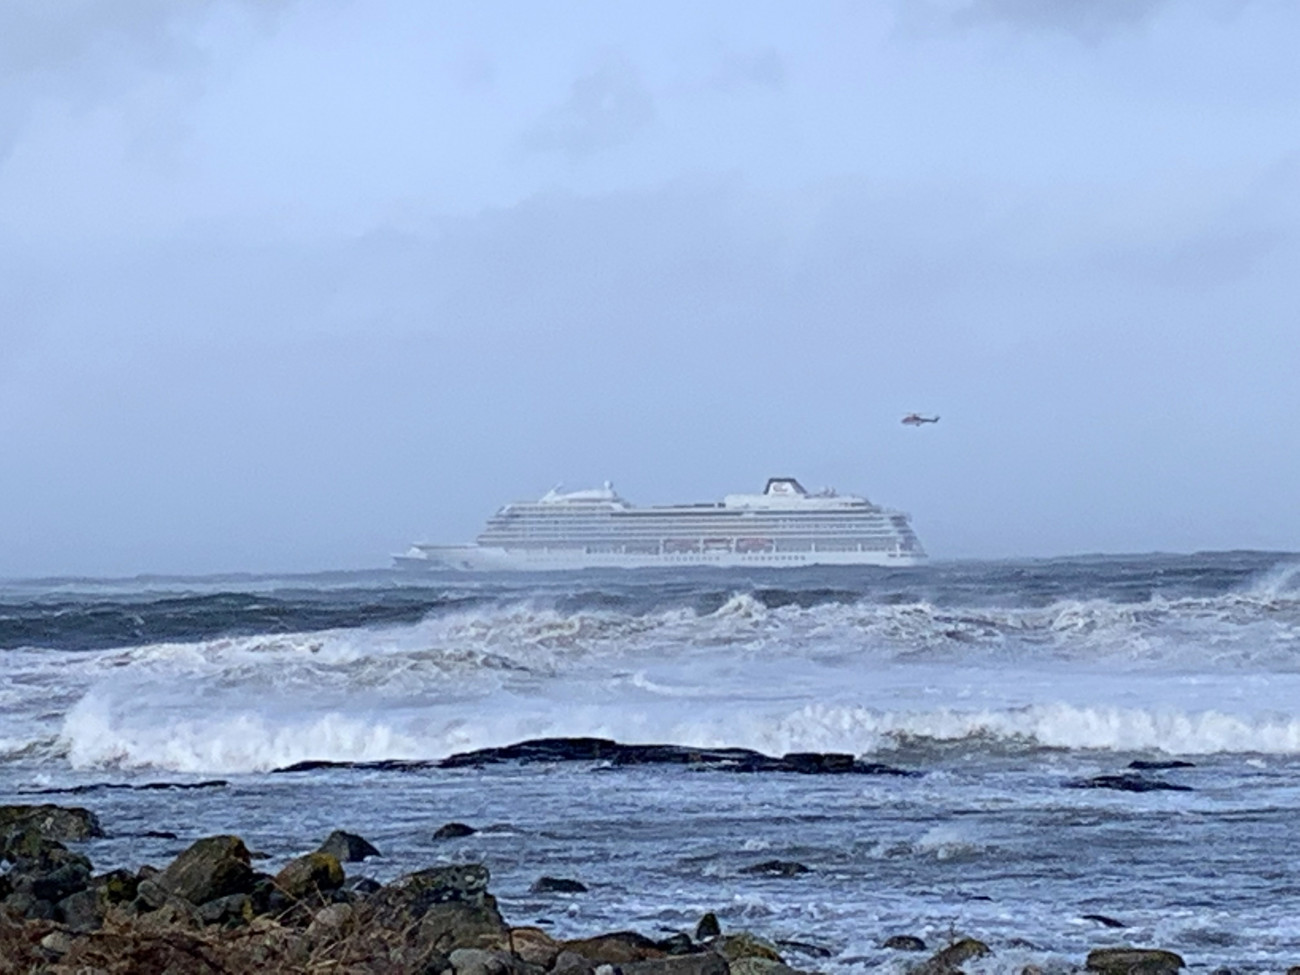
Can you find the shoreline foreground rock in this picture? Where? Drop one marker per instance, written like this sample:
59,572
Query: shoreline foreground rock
210,910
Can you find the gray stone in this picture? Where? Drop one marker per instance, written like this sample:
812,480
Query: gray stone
699,963
760,966
213,867
82,911
1134,961
453,831
618,948
558,885
229,910
347,847
708,927
58,942
311,874
904,942
53,822
448,926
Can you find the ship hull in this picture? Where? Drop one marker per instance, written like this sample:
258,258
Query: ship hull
474,558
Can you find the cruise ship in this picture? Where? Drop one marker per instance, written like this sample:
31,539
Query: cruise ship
784,526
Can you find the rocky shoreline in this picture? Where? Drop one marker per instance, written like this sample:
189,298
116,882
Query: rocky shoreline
210,910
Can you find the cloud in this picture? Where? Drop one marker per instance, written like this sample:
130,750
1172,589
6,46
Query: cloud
764,69
605,109
1089,20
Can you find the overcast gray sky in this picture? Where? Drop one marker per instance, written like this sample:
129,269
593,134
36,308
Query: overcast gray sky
287,285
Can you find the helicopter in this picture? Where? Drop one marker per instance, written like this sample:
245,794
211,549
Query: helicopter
916,419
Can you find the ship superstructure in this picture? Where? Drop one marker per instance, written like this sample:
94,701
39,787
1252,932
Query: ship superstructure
782,526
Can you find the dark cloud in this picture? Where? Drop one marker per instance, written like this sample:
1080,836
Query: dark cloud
605,108
1089,20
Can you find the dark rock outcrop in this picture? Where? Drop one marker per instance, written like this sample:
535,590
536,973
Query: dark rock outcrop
1104,920
314,873
69,823
558,885
347,847
708,927
1127,782
453,831
777,868
1134,961
212,867
619,948
904,942
1159,765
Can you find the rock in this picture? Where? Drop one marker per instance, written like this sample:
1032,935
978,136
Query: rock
742,944
116,886
904,942
1104,921
1133,961
479,961
534,946
777,868
53,822
1293,970
366,886
212,867
677,944
310,874
82,911
698,963
332,920
58,942
448,926
1127,782
150,895
347,847
618,948
571,963
708,927
759,966
453,831
951,958
1162,765
406,900
804,948
558,885
232,909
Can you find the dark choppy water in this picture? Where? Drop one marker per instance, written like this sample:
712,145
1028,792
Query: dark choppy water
1002,682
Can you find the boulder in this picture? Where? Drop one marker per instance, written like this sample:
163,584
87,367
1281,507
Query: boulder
760,966
448,926
534,946
332,920
1133,961
708,927
558,885
699,963
572,963
453,831
777,868
213,867
116,886
618,948
233,909
408,898
53,822
310,874
480,961
82,911
347,847
742,944
950,959
904,942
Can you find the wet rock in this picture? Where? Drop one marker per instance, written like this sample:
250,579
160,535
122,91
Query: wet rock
1133,961
69,823
677,944
551,750
745,945
950,958
1127,782
347,847
1159,765
708,927
904,942
229,910
534,946
159,834
310,874
412,895
618,948
698,963
366,886
759,966
804,948
1104,921
213,867
453,831
448,926
777,868
558,885
572,963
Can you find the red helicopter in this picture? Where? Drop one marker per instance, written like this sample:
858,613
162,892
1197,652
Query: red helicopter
916,419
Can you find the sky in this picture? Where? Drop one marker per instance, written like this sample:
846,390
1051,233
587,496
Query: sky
288,285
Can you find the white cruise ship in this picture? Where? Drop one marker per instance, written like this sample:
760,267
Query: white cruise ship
783,526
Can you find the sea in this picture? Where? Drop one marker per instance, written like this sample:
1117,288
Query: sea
1021,693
